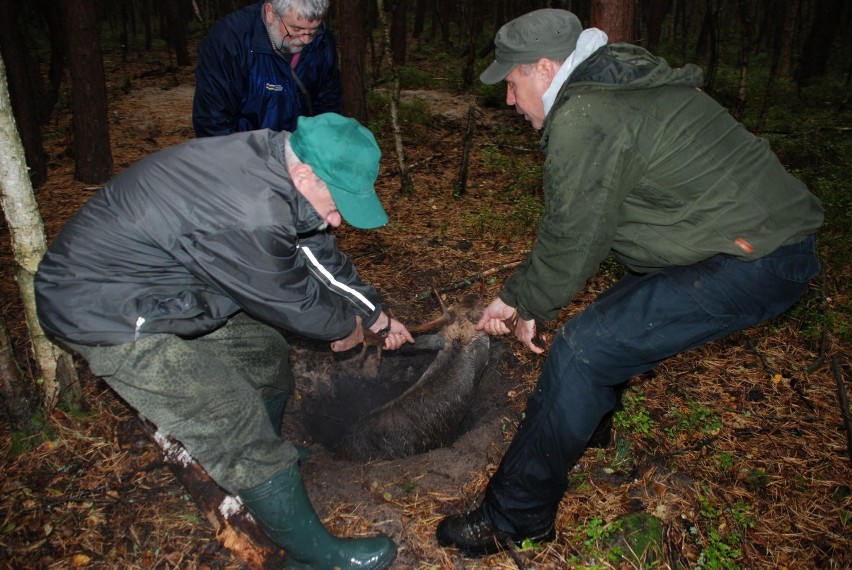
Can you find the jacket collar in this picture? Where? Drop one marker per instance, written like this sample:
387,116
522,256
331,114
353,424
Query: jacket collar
590,41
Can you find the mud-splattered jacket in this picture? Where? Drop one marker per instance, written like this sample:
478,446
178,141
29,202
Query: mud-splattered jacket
188,237
643,164
241,84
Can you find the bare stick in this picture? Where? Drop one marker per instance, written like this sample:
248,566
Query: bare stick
460,186
469,280
844,405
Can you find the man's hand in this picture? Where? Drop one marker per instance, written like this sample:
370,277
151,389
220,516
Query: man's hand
397,335
495,317
499,318
355,338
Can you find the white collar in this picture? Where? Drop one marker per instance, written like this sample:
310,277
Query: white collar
590,41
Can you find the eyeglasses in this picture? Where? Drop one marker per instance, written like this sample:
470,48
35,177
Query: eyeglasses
302,32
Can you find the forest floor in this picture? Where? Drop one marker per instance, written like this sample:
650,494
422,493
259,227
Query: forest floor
738,447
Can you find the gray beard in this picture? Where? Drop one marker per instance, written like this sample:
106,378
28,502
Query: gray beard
279,42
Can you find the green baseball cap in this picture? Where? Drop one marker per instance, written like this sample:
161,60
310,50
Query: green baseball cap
547,33
346,156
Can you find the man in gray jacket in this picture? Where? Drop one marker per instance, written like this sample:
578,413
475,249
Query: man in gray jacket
641,164
175,280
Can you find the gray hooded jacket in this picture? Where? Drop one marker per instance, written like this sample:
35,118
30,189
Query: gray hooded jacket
193,234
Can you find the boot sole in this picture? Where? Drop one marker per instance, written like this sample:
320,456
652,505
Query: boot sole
500,543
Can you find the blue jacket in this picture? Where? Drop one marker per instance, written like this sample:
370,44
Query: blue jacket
241,84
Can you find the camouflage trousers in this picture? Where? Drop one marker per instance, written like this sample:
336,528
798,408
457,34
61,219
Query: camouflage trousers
211,393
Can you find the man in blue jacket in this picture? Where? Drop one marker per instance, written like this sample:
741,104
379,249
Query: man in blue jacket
175,279
264,66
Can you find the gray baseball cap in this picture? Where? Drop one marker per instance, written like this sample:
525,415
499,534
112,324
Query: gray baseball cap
547,33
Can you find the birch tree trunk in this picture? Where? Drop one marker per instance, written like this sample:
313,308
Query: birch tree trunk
405,182
26,228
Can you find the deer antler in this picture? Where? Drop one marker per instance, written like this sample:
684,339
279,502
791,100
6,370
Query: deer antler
378,341
445,318
372,339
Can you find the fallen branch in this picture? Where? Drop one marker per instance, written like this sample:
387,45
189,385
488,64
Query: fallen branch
823,344
468,281
763,362
795,384
513,552
235,530
844,405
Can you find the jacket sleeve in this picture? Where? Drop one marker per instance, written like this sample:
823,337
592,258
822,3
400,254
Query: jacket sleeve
305,286
587,174
218,81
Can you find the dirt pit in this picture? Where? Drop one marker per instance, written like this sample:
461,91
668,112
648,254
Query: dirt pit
334,391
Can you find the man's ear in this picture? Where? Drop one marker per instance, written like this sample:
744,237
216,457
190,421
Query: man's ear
547,68
301,174
268,13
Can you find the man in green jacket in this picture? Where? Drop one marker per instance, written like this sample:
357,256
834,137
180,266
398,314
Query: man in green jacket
639,163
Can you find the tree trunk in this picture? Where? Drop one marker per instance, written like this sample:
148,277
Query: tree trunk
815,52
747,17
777,43
442,13
406,186
148,23
92,156
654,16
399,31
14,392
56,69
708,43
475,19
26,228
351,31
22,90
616,18
235,529
419,18
124,37
791,17
176,31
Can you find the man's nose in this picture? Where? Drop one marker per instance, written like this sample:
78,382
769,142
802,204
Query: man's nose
334,219
510,97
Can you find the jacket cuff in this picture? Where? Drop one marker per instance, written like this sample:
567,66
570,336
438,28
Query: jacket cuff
370,319
510,299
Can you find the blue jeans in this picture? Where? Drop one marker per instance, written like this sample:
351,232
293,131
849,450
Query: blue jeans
627,330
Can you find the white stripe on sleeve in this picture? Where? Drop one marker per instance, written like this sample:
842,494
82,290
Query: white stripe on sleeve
334,283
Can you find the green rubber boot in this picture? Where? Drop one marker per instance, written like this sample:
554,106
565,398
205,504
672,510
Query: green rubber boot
281,507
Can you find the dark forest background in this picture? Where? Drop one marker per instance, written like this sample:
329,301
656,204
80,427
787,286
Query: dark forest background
782,67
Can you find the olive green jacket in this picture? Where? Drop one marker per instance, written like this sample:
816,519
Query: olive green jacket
643,164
